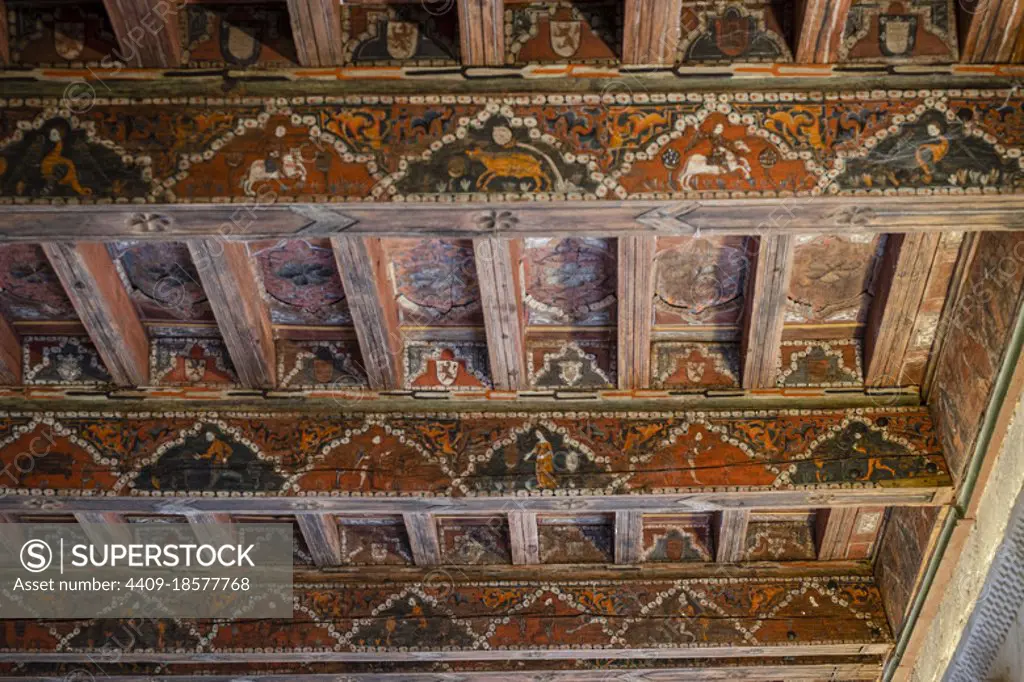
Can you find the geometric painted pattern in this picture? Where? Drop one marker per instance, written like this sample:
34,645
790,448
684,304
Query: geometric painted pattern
474,454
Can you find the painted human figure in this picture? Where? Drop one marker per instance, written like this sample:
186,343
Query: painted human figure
543,455
930,152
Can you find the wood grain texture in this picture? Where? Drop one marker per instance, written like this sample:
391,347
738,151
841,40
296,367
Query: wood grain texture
731,538
629,537
716,217
147,31
91,282
636,310
104,527
848,532
974,342
764,314
820,25
215,529
10,352
316,28
523,537
363,266
993,32
423,538
232,288
498,270
902,281
320,531
651,31
904,549
482,32
5,43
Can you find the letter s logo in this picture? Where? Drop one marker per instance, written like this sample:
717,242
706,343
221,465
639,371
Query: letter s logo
36,556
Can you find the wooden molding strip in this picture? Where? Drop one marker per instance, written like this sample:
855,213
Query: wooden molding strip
482,32
423,538
108,314
5,44
651,31
229,278
316,28
820,25
993,32
524,537
636,310
497,266
903,279
794,671
320,531
804,498
765,310
713,217
629,537
147,32
732,535
363,266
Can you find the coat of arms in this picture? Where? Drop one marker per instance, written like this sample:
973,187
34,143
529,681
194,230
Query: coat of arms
897,34
69,38
402,39
565,37
447,371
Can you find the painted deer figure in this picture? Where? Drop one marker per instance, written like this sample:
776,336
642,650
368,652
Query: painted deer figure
698,164
291,168
509,165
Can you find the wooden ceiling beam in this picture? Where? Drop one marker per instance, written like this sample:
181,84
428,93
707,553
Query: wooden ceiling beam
636,310
497,267
424,542
651,31
713,217
229,278
844,532
629,536
5,41
524,537
731,538
902,282
147,32
215,529
316,28
365,276
764,316
819,30
10,354
104,527
108,314
993,33
320,531
482,32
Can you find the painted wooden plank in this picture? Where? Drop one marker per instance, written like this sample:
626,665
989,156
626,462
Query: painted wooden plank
629,536
848,532
5,31
651,31
498,267
902,280
229,278
838,614
715,217
423,538
993,32
362,264
764,315
147,32
731,540
316,28
90,279
523,537
482,32
10,351
636,310
820,25
320,532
